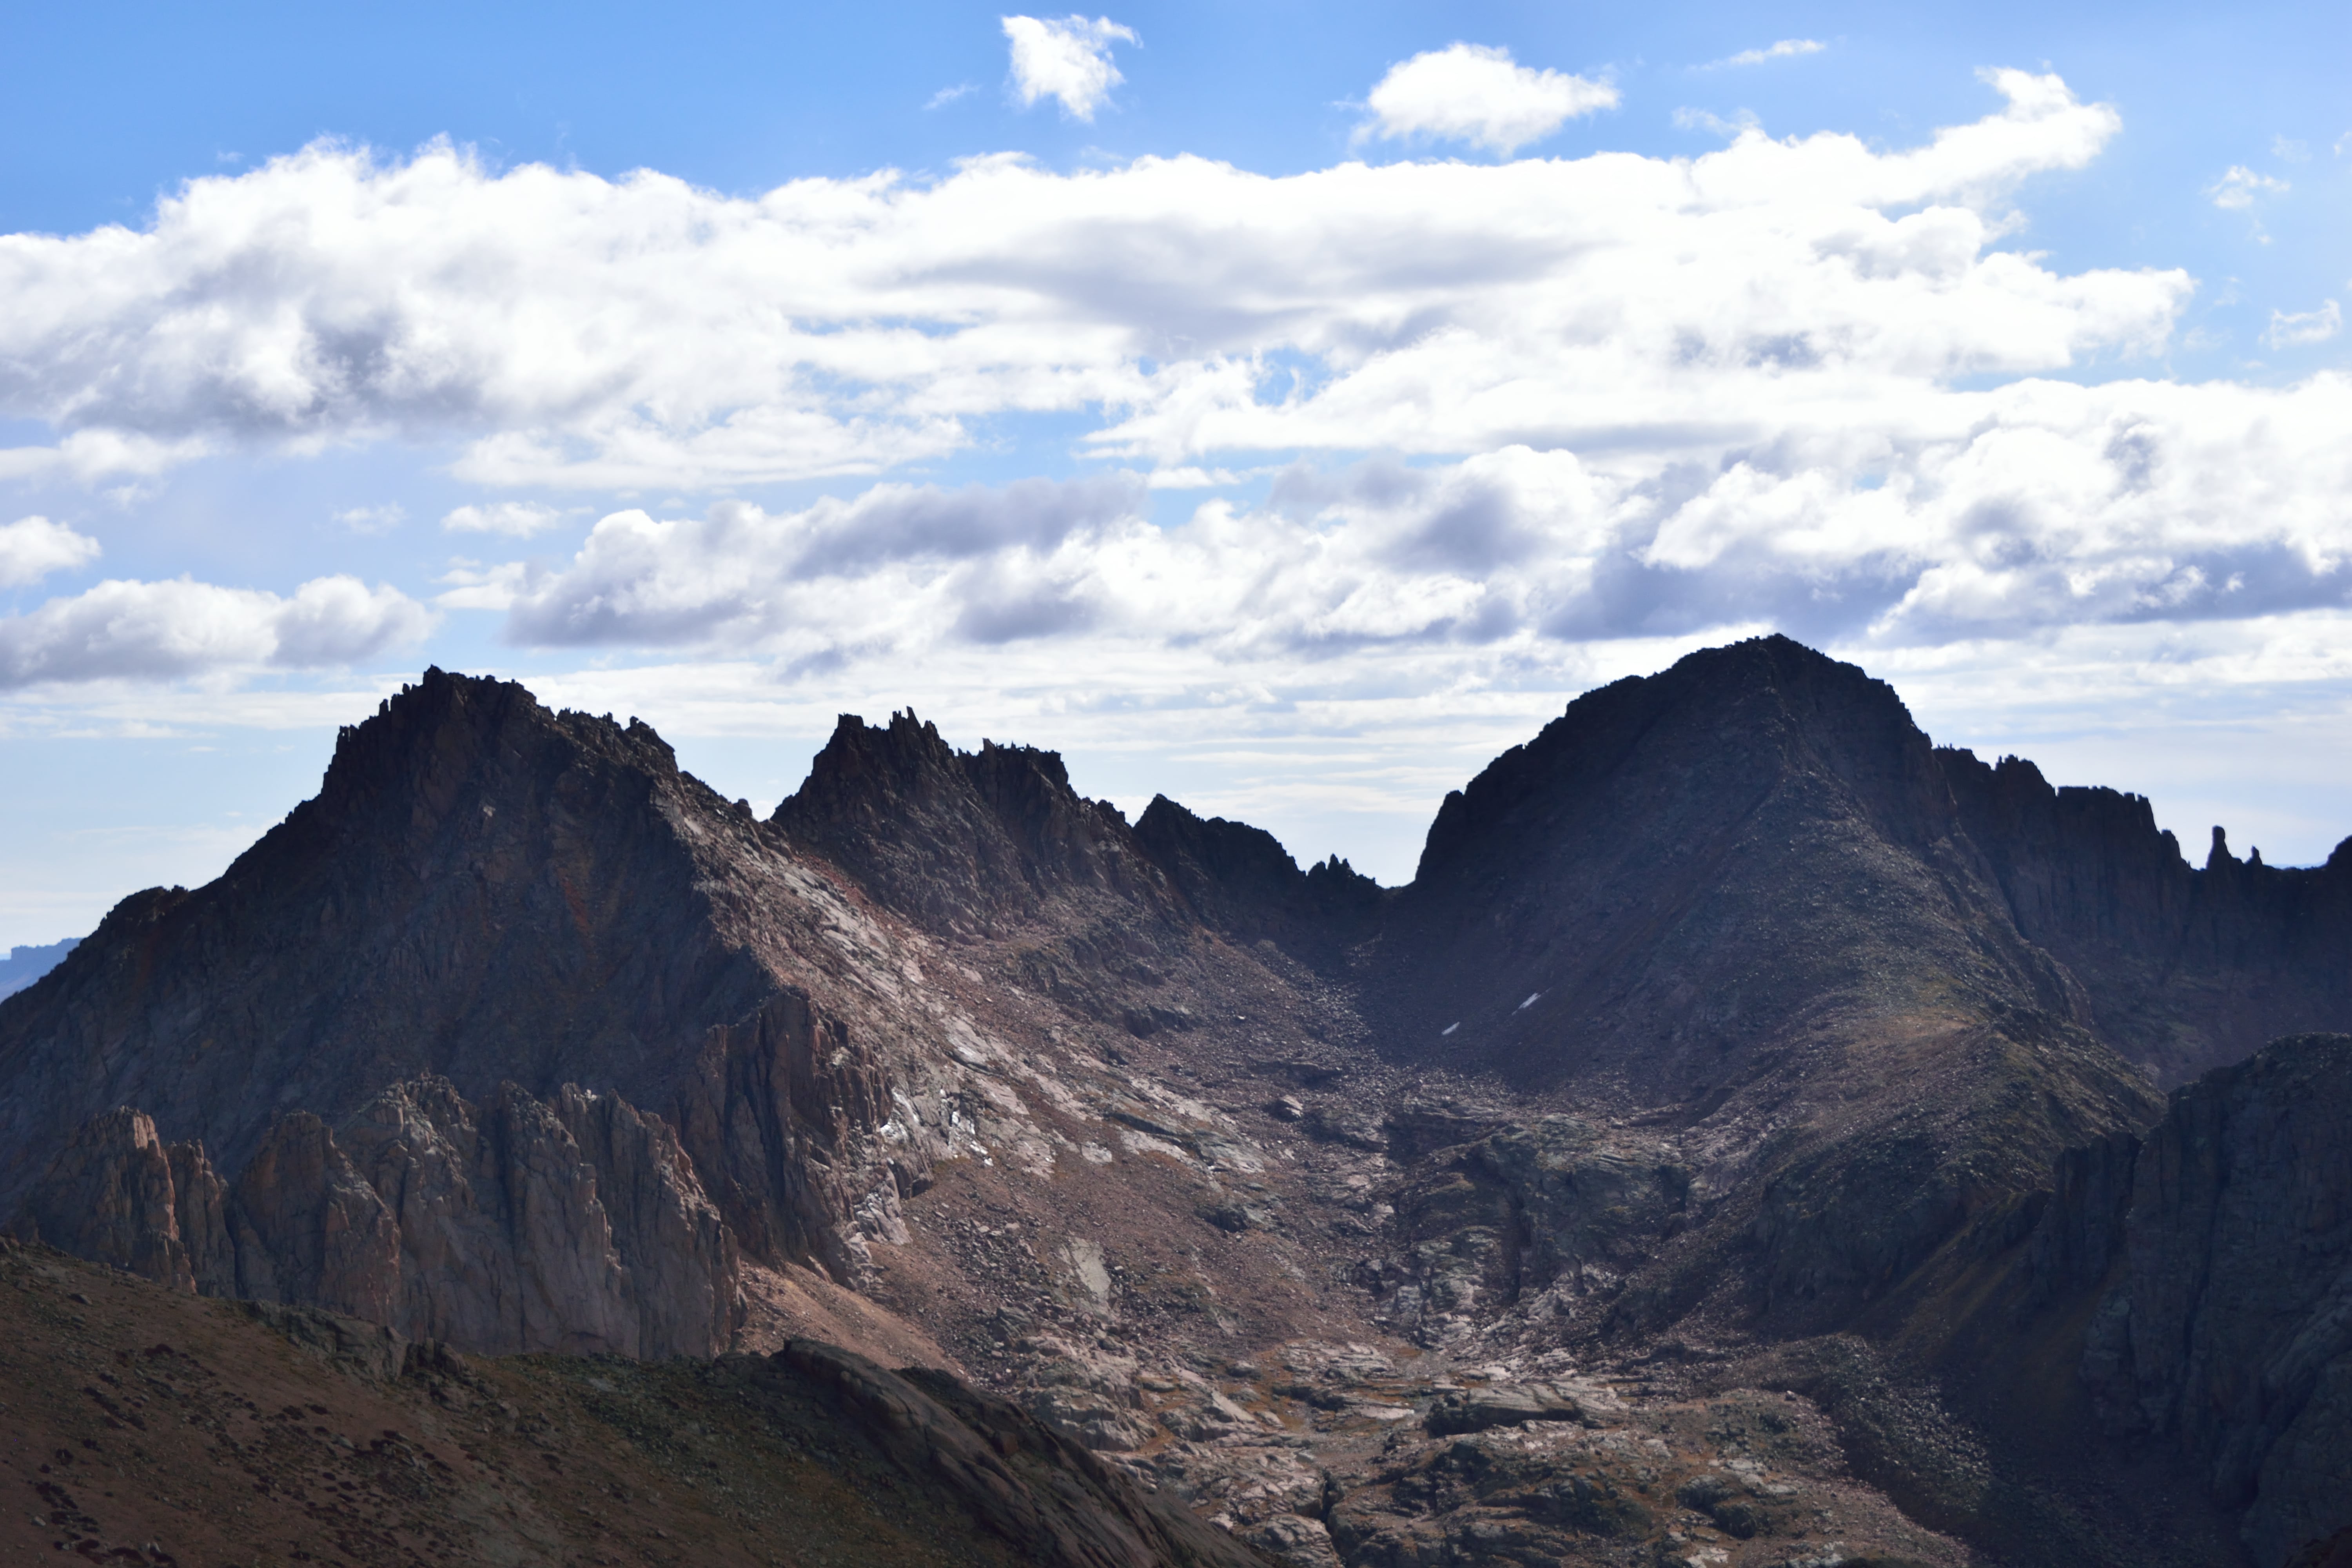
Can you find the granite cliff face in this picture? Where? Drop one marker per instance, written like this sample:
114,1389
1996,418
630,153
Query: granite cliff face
1675,1171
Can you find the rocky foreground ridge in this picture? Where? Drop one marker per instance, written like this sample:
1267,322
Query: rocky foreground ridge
1741,1142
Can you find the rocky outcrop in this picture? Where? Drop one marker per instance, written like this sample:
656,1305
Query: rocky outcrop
786,1111
310,1229
507,1227
1516,1404
1240,879
2184,968
964,842
109,1197
1548,1216
2229,1329
684,1275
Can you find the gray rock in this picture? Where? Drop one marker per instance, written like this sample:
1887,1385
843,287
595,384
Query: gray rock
1516,1404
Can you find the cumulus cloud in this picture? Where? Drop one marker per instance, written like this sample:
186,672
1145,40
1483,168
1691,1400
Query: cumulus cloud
564,329
516,519
2241,187
2294,328
1787,48
33,547
741,574
2052,505
1068,60
168,630
1477,94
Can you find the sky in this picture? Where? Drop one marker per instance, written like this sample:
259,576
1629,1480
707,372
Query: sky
1285,407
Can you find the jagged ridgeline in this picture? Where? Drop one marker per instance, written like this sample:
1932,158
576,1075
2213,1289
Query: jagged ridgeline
1732,1042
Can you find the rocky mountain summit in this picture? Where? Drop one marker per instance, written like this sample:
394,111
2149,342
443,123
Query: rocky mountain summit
1742,1142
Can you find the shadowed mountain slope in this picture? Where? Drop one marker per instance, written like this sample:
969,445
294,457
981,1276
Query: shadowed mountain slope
1686,866
365,1037
1729,1030
2185,968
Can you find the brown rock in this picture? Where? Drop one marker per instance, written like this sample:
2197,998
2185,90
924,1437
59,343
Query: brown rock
109,1196
310,1230
503,1244
684,1278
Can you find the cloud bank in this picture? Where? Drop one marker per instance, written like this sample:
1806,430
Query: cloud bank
567,331
1802,381
2059,506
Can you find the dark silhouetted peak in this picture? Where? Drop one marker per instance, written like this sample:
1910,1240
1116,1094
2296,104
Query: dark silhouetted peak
1240,879
1221,866
1750,714
2184,968
1688,877
964,841
1334,879
452,738
483,888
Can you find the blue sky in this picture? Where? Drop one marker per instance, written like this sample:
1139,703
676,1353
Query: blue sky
1285,406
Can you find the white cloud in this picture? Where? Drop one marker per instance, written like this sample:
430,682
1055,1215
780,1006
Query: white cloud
33,547
100,453
2241,187
1068,60
1475,93
369,520
2288,150
170,630
2049,505
2290,329
516,519
1787,48
948,95
839,570
564,329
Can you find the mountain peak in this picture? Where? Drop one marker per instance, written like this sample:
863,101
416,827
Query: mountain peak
963,841
1735,716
